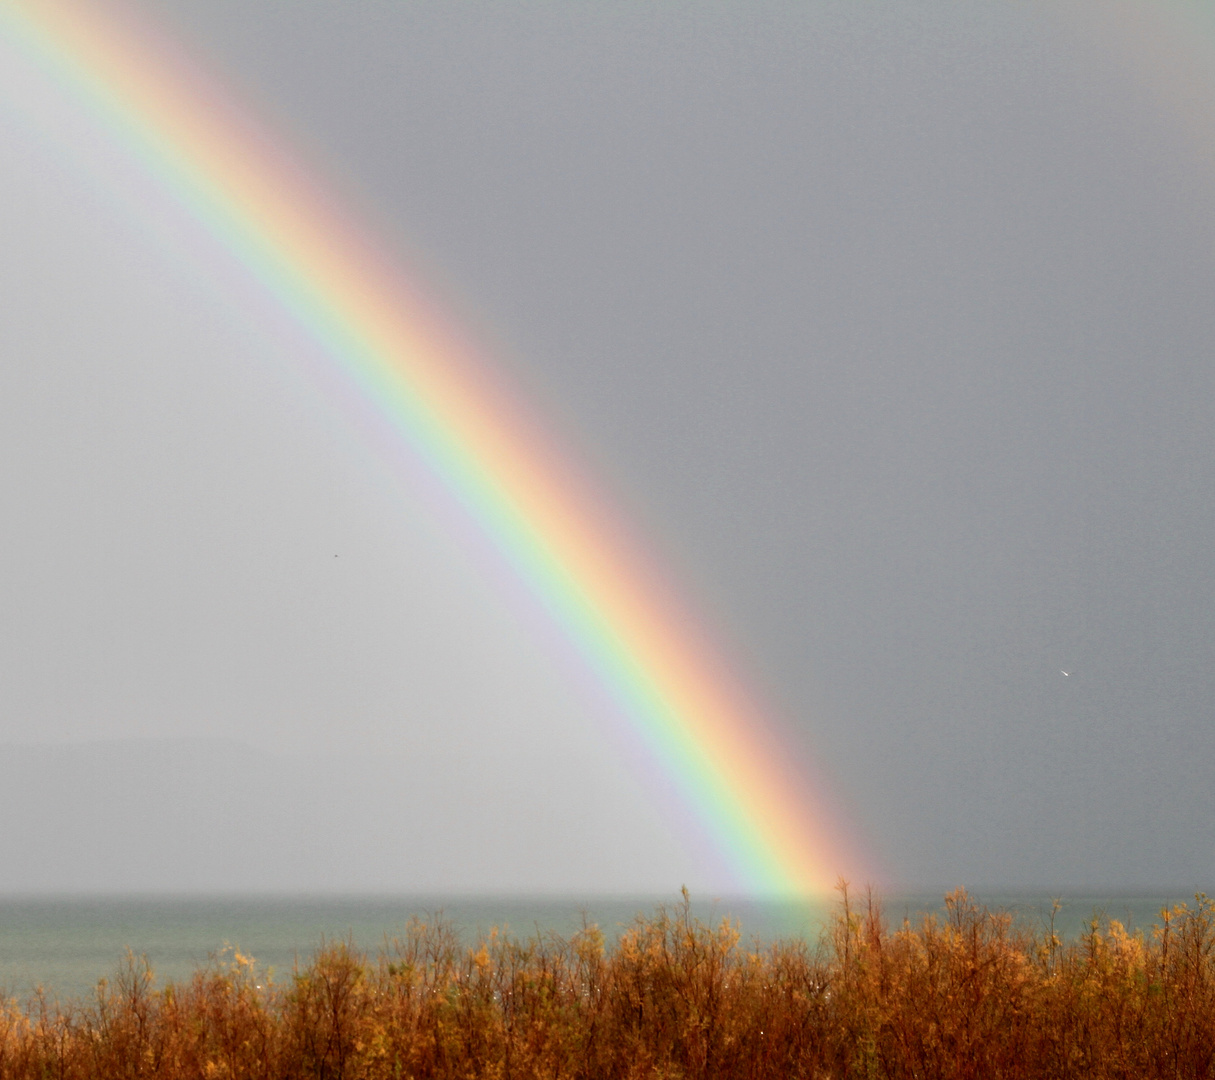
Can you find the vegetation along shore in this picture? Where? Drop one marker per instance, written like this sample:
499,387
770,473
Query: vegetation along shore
969,993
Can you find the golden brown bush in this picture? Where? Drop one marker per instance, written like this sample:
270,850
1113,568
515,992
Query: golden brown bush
966,995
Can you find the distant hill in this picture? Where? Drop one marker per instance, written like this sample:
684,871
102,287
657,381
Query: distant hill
143,814
212,815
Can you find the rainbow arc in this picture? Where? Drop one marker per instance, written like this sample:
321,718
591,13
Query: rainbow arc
706,733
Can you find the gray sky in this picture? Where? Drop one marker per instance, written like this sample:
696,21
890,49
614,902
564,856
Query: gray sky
889,324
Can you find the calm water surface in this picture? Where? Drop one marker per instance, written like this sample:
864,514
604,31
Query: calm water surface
65,944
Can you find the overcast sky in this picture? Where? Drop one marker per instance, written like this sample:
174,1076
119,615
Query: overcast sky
888,324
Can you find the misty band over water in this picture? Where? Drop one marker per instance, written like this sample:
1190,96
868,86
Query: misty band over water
65,944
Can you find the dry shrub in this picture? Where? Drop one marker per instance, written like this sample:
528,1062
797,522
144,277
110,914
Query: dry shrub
967,994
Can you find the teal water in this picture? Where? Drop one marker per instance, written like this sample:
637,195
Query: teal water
66,944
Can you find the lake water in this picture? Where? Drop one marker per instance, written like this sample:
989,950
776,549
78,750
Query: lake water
66,944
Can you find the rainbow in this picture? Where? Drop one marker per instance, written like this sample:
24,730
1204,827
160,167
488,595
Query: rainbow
706,734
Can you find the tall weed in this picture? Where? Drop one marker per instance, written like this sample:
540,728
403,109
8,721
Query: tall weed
964,995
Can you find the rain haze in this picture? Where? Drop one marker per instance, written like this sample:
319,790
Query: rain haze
887,326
